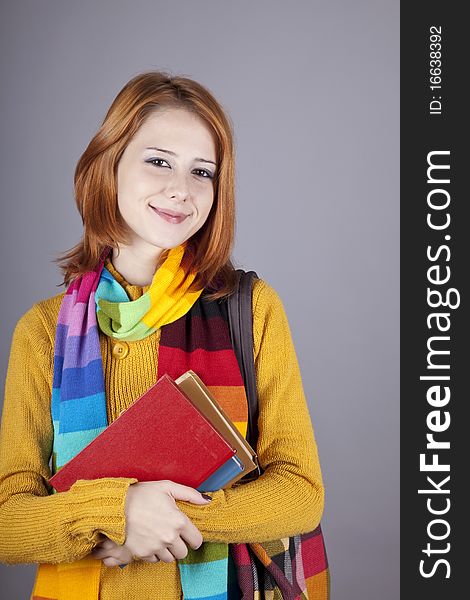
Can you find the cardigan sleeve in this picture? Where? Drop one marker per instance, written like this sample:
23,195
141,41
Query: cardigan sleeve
35,525
288,498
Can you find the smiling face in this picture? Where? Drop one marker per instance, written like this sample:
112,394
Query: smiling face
169,165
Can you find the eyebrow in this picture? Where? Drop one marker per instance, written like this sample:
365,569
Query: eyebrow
174,154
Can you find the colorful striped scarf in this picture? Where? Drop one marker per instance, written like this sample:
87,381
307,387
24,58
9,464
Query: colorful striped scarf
97,301
194,335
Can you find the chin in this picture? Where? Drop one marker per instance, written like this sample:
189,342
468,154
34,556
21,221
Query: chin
166,244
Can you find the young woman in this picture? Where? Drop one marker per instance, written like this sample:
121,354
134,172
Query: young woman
155,190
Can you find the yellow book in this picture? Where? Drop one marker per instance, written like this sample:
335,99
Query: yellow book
195,389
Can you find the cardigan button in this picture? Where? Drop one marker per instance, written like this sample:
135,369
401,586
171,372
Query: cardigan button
120,350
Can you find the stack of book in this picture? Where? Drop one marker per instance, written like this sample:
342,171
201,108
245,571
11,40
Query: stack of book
176,430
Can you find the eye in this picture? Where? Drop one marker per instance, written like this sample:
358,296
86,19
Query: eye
205,174
154,160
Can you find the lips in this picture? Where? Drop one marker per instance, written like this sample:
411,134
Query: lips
169,215
169,212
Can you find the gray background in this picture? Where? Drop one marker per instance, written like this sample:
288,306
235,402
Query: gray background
313,92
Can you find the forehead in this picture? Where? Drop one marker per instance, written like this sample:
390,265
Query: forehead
175,129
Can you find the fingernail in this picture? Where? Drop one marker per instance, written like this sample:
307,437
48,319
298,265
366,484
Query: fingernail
206,497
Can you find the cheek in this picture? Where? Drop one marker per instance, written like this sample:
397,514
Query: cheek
203,215
134,183
123,190
124,204
207,205
203,210
132,193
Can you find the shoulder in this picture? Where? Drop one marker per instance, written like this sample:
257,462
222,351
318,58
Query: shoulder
263,291
266,300
39,322
270,324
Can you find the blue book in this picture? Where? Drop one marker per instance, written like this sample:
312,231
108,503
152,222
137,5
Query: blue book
230,469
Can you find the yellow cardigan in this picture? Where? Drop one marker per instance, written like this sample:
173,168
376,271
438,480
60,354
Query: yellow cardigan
36,527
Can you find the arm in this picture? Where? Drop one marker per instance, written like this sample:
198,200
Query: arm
288,498
36,526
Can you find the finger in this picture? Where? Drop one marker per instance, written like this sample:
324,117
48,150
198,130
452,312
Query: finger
121,552
191,534
152,558
111,561
106,545
165,555
100,553
178,549
122,555
183,492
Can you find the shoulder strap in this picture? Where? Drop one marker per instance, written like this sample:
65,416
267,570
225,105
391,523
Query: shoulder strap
240,317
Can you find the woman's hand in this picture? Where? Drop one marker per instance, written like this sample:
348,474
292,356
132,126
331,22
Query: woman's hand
112,554
155,527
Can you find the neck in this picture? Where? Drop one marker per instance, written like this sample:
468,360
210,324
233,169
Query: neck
136,265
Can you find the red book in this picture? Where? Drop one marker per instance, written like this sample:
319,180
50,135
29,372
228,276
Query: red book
160,436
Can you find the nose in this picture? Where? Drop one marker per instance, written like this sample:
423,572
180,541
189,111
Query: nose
178,188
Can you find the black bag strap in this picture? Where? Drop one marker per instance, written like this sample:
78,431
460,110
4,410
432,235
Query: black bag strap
240,316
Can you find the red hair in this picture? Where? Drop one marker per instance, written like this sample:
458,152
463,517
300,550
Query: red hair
209,249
